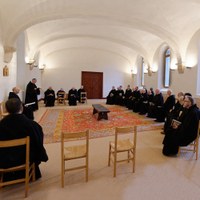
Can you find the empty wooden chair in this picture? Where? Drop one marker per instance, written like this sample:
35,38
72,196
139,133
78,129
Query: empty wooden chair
125,141
194,146
71,151
61,97
83,97
29,168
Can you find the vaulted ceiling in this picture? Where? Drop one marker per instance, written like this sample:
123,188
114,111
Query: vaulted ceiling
125,27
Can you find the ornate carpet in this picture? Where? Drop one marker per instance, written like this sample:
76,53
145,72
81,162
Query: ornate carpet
54,121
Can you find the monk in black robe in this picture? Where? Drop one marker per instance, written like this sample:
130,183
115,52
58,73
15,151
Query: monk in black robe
184,133
119,96
167,106
49,97
80,97
156,104
14,126
110,99
31,94
127,95
27,110
72,97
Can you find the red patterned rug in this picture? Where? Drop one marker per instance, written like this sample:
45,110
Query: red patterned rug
54,121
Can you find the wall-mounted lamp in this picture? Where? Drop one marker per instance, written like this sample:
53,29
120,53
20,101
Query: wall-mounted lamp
188,67
31,63
134,71
42,67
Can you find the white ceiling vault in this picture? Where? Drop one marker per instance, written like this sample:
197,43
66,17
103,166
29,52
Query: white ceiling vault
129,28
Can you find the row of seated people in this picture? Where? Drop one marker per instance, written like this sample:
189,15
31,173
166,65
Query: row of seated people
74,95
182,109
181,124
143,101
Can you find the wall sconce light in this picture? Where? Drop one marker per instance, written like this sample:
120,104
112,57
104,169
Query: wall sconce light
133,71
31,63
188,67
42,67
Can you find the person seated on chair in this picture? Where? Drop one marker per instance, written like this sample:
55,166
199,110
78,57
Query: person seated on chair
81,89
110,99
27,110
15,126
174,112
72,97
49,97
134,95
156,104
167,106
119,96
184,132
127,95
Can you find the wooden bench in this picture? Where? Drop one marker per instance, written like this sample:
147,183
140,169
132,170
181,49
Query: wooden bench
101,110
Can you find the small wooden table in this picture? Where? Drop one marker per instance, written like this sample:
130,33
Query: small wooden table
101,110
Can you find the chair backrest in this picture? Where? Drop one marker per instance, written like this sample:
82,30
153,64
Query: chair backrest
3,111
74,151
83,94
126,130
61,94
83,97
24,166
65,136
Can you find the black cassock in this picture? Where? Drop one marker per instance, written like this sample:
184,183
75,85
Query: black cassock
72,97
31,95
184,134
110,99
15,126
27,110
49,98
79,93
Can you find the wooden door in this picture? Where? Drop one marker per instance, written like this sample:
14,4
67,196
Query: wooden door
93,84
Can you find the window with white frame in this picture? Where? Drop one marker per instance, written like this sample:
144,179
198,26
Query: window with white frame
167,61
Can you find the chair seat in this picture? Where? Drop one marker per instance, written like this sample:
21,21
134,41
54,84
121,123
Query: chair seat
75,151
123,145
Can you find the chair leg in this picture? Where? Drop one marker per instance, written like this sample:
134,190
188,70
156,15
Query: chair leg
62,173
86,170
115,163
133,162
197,151
109,155
128,156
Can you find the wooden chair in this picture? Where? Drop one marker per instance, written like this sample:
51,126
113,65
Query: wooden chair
3,111
73,151
194,146
83,97
125,141
29,169
61,98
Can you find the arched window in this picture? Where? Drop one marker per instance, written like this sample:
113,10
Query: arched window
167,61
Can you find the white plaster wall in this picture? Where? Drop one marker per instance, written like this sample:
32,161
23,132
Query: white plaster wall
24,74
63,69
7,82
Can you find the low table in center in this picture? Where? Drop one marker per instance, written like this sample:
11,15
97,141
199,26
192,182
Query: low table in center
101,110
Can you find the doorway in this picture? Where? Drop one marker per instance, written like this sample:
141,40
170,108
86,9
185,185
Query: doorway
93,84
